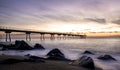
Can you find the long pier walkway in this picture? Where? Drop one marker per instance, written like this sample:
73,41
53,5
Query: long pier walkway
52,36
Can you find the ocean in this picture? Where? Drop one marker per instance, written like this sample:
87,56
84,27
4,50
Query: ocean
73,49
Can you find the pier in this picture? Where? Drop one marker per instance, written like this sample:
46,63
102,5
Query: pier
52,35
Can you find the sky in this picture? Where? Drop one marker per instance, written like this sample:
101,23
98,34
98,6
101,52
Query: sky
61,15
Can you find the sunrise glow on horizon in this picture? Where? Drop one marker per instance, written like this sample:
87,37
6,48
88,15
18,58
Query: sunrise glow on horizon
61,15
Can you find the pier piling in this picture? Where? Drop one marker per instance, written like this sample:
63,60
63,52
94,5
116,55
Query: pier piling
8,36
28,37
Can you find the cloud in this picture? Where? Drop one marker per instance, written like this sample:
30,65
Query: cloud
50,12
98,20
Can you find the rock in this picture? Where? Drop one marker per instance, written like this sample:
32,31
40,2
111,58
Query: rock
88,52
27,55
22,45
106,57
37,59
8,46
56,54
13,61
1,46
10,61
85,61
32,58
4,49
38,46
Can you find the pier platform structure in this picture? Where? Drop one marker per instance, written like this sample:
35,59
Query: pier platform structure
60,35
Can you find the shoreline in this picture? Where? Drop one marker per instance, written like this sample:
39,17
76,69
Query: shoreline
23,62
48,65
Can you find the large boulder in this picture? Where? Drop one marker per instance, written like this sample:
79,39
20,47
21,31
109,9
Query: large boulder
106,57
36,59
56,54
22,45
8,46
32,58
84,61
38,46
10,61
88,52
1,47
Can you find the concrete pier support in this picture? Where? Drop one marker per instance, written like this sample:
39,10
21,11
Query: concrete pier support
69,36
58,36
64,36
52,36
83,36
42,37
28,37
77,37
8,36
73,36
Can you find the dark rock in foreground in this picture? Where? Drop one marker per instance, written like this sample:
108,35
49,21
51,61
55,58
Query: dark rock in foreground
38,46
106,57
56,54
22,45
9,46
34,59
27,55
1,47
88,52
85,61
10,61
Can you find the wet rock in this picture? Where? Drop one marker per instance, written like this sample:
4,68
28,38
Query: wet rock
36,59
1,46
4,49
32,58
106,57
8,46
27,55
85,61
22,45
38,46
88,52
56,54
10,61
